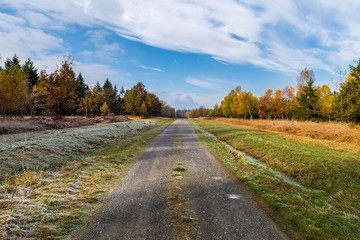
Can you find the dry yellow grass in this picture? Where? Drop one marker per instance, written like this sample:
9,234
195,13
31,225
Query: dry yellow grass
135,118
339,132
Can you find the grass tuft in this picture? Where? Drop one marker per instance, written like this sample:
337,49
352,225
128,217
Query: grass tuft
179,169
187,219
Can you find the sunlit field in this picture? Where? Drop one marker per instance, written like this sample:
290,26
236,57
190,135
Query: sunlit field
326,203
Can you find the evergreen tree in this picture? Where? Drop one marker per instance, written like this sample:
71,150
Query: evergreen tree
80,87
11,64
348,98
308,106
31,72
122,93
98,87
110,94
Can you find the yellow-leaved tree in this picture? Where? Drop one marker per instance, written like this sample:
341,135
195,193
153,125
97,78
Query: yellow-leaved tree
326,102
13,92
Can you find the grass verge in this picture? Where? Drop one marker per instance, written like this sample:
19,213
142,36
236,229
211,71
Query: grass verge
329,205
52,203
334,131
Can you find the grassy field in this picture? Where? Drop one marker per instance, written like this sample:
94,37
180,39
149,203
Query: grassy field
326,204
339,132
51,148
72,174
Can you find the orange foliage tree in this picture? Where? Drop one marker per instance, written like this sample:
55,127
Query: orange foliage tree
60,86
264,105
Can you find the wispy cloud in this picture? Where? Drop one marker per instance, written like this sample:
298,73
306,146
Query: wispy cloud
17,37
151,68
200,83
208,83
282,35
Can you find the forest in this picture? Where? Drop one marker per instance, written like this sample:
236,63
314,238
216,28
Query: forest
306,101
24,91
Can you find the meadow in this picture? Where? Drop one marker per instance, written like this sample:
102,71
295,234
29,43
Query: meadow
325,202
334,131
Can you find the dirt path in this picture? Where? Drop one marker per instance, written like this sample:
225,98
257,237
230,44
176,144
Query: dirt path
202,202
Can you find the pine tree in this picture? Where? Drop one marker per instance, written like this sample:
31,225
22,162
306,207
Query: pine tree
31,72
110,94
348,98
80,87
11,64
98,87
308,108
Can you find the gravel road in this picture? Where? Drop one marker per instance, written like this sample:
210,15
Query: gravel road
156,202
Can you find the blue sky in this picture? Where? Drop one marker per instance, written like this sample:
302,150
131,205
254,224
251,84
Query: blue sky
189,53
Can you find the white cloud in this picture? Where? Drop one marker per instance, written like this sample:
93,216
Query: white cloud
218,85
103,49
151,68
96,72
91,72
25,41
200,83
282,35
276,35
184,101
36,19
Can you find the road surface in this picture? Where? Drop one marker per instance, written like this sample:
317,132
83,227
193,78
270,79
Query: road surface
203,202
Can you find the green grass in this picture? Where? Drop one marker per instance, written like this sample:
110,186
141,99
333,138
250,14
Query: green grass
179,169
329,210
52,203
187,219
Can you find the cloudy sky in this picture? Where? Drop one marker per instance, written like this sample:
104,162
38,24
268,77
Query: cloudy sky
188,52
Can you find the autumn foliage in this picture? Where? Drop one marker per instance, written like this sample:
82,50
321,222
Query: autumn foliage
307,102
13,91
63,93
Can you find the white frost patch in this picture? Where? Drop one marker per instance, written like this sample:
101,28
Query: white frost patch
233,196
217,178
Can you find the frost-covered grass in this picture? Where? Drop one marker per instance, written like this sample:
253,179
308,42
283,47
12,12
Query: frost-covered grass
327,207
52,202
41,150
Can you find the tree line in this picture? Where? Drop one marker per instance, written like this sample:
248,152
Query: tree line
307,102
23,91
